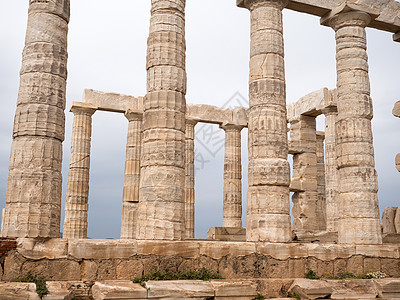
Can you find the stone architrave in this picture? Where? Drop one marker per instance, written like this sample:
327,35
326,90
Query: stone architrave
161,211
33,200
358,201
189,179
331,175
76,203
232,203
321,201
268,204
130,198
305,197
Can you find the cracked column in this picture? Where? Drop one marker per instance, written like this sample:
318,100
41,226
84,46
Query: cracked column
76,203
33,200
268,204
321,201
189,179
161,212
232,205
358,221
331,175
304,181
130,198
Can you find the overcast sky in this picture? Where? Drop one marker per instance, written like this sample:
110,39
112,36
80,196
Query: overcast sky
107,52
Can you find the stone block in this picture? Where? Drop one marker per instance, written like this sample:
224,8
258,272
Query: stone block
372,264
118,290
166,248
389,288
12,266
218,250
231,289
58,291
227,234
390,267
56,270
89,270
183,289
388,217
129,269
101,249
355,265
310,289
18,291
39,248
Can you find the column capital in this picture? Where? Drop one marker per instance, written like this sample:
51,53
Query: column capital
329,110
83,108
133,115
231,127
191,122
349,14
250,4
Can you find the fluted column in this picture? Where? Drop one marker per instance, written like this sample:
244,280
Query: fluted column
232,205
189,179
321,201
331,175
130,197
76,203
358,202
305,198
33,200
268,204
161,212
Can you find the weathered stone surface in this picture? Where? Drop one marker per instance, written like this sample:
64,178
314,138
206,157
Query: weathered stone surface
388,288
12,266
179,289
388,218
227,234
55,270
308,105
18,291
101,249
58,291
189,178
310,289
118,290
234,289
112,101
39,249
183,249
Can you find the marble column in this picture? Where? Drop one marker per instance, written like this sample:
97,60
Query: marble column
33,199
189,179
161,211
358,202
232,203
76,203
268,204
331,175
321,201
130,198
305,198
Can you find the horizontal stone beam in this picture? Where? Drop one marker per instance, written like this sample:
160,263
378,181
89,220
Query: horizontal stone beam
388,19
311,104
216,115
112,101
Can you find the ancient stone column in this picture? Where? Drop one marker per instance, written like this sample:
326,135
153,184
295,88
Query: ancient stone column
321,200
358,202
130,198
232,205
331,175
161,212
76,203
268,204
33,200
305,198
189,179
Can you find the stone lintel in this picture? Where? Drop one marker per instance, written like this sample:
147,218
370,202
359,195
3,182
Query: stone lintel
386,21
216,115
134,115
310,105
112,102
349,6
81,106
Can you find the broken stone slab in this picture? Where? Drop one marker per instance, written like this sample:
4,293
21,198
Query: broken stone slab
118,290
112,101
310,289
389,288
234,289
43,248
308,105
179,289
18,291
58,291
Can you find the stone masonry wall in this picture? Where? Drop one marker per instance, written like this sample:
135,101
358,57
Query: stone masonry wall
99,260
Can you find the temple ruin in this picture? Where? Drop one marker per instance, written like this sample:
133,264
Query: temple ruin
336,224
